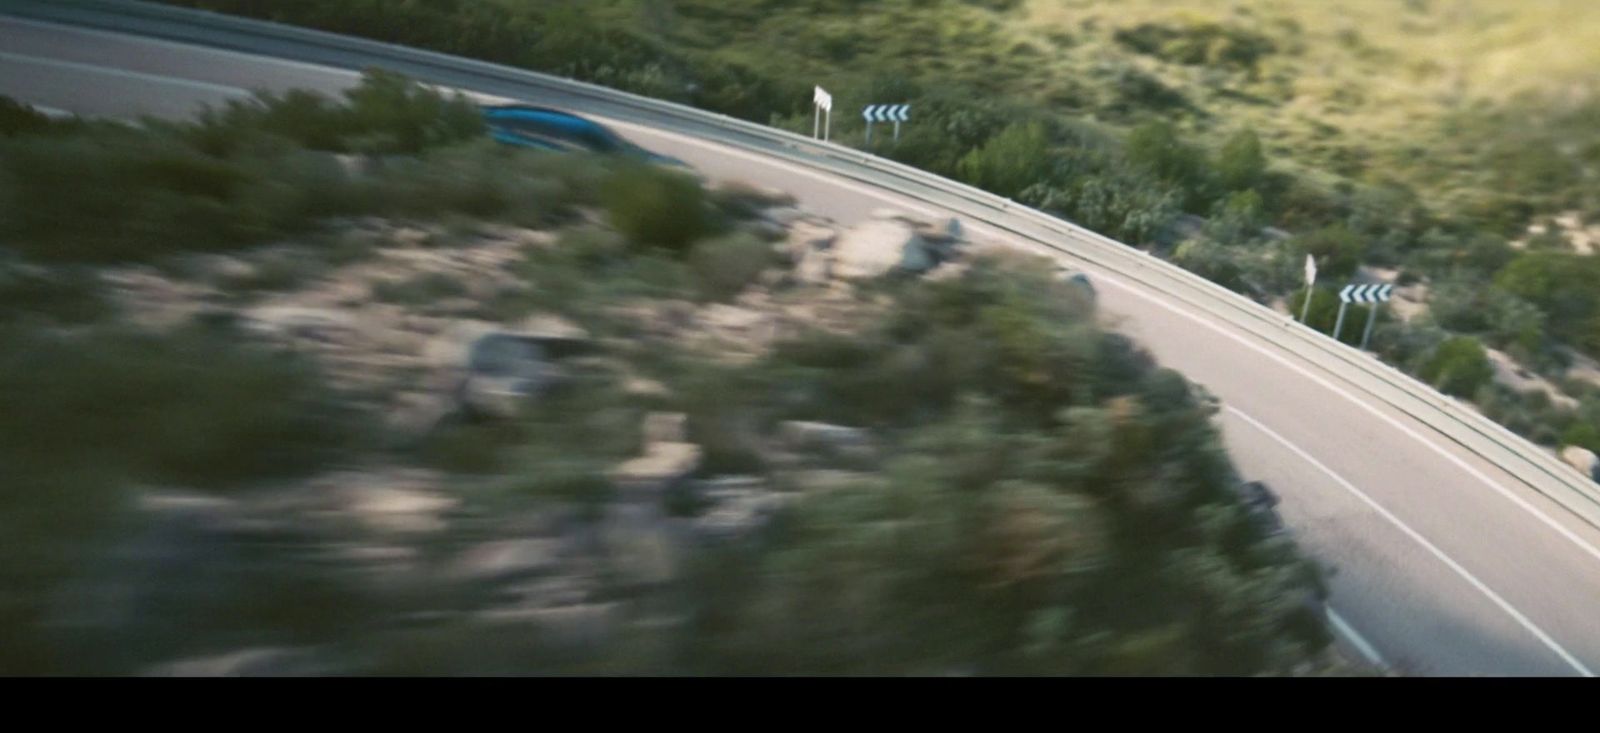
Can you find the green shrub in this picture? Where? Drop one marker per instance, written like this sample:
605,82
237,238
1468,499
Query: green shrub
384,114
723,266
1582,434
1198,43
1337,251
17,118
1459,367
655,207
1015,159
1240,163
195,408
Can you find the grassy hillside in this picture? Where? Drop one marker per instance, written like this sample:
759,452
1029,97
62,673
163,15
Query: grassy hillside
1372,90
1450,141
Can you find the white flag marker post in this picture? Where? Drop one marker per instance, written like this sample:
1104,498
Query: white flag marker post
1311,279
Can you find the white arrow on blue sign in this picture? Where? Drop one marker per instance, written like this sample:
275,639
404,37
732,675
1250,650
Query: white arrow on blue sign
1365,293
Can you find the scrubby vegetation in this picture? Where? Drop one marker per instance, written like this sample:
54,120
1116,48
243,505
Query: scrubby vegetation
1126,118
1045,481
1046,500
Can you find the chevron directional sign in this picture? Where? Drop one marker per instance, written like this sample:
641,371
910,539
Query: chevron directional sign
887,113
822,98
1365,293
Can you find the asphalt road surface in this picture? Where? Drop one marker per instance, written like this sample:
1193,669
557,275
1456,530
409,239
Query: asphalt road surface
1445,563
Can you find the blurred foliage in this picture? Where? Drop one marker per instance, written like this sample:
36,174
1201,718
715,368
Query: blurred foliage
724,266
653,206
259,170
1052,504
88,416
1459,367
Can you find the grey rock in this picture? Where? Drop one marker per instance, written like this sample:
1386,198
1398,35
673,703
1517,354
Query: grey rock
1582,459
876,248
503,371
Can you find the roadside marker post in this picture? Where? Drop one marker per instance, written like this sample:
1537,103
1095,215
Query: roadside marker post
822,116
1311,279
1375,294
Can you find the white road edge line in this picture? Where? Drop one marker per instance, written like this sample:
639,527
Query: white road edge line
108,71
1356,639
1336,389
1423,541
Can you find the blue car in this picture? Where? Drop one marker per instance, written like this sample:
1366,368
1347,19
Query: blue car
549,129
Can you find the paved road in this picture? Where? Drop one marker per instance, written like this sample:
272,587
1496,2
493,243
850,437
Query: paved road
1446,563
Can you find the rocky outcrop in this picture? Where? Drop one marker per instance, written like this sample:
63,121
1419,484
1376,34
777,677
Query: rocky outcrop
876,248
1582,459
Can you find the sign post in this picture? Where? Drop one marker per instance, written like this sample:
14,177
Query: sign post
1311,279
822,117
896,113
1375,294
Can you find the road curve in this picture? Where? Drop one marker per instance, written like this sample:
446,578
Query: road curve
1457,551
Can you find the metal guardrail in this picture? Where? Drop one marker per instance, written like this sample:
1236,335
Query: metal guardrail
1532,465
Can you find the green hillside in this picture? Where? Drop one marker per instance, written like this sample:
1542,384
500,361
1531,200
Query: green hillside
1419,136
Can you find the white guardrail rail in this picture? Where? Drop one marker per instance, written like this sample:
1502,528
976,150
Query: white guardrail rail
1534,466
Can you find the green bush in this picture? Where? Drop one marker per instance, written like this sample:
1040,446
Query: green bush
1459,367
241,176
654,207
1582,434
195,408
17,118
384,114
1198,43
723,266
1015,159
1157,147
1337,251
1240,163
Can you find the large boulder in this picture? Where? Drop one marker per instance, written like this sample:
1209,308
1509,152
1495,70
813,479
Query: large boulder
878,247
1582,459
808,250
503,371
493,371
